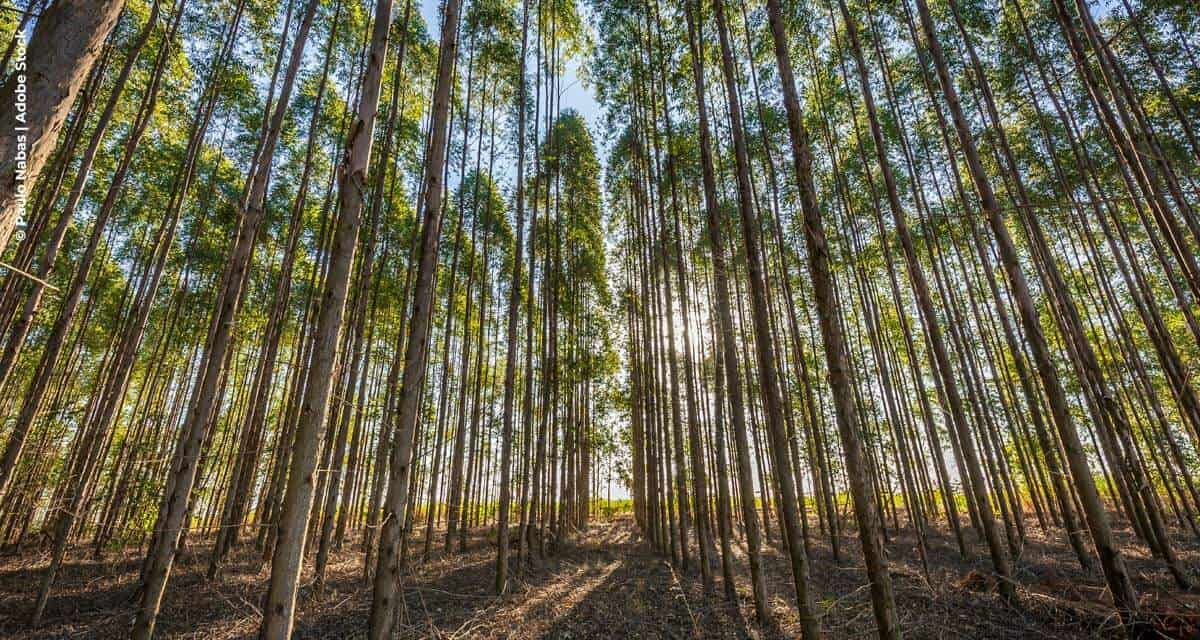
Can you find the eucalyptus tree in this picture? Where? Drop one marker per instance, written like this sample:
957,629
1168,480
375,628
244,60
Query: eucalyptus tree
490,28
764,347
386,582
19,331
297,501
68,38
928,315
174,508
514,301
84,465
727,352
1098,521
224,353
836,356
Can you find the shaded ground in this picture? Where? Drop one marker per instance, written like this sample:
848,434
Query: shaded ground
606,582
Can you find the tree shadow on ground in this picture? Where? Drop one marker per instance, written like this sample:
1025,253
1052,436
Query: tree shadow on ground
603,582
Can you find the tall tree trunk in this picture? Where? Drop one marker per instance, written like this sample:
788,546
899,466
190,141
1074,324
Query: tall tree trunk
928,316
297,501
882,598
173,510
1115,573
68,38
387,575
727,345
510,333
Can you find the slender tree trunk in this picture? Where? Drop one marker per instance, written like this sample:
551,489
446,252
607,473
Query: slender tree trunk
510,334
882,598
724,316
387,575
1125,598
66,42
297,501
174,508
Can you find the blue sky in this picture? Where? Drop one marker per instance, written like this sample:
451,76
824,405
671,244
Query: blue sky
575,95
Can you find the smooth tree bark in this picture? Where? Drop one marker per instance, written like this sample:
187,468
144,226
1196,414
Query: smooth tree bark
510,333
34,100
175,506
387,574
836,357
298,497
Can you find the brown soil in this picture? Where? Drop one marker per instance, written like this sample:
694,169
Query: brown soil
606,582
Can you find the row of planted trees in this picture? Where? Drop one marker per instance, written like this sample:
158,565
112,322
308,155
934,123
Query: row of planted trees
299,277
295,276
937,262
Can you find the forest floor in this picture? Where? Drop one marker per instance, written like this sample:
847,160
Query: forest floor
606,582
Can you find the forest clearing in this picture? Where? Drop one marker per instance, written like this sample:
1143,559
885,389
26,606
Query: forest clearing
575,319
